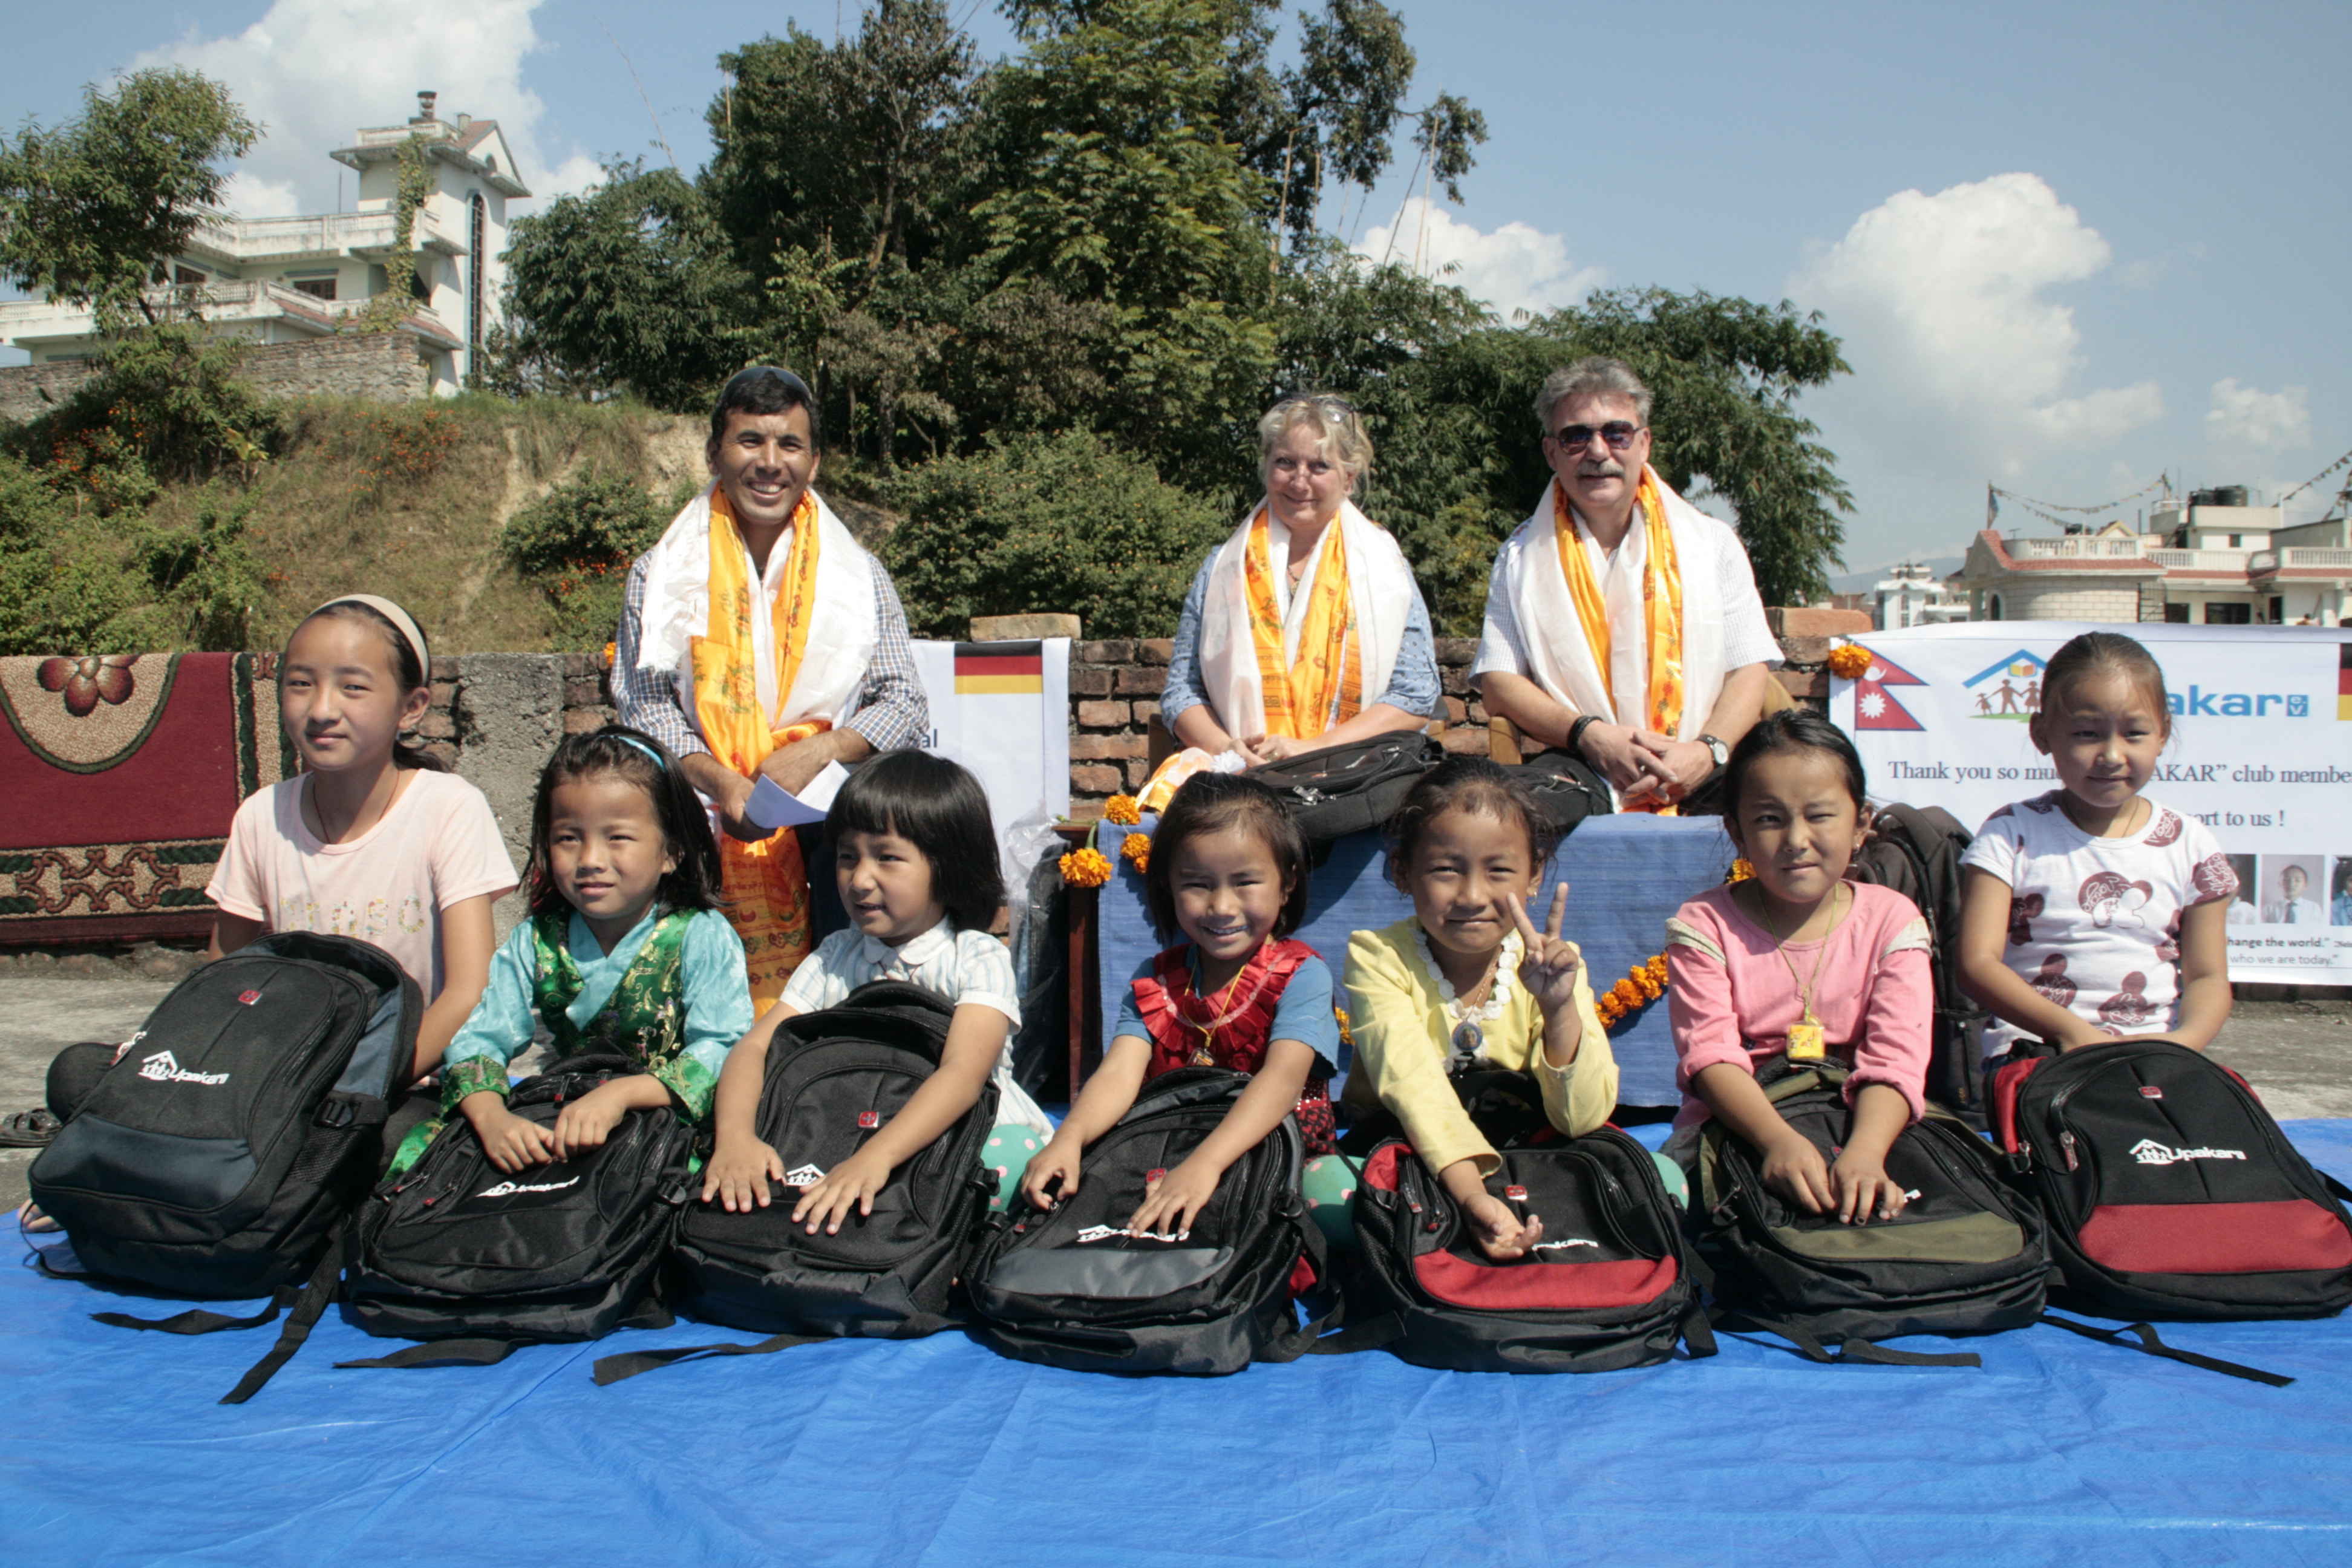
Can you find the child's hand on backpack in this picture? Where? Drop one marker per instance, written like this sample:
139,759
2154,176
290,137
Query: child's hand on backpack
1864,1191
585,1123
1795,1169
511,1142
1550,964
1496,1228
1170,1203
1058,1161
850,1184
740,1172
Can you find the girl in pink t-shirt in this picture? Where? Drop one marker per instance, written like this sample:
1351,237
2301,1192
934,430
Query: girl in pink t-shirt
1797,960
373,839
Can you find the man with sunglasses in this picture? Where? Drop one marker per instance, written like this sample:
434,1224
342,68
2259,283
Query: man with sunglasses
759,639
1622,624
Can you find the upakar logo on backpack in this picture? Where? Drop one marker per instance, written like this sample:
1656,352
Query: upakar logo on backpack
165,1068
509,1189
2148,1151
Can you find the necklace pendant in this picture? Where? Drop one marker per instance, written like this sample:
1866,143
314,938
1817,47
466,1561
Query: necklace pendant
1467,1038
1805,1040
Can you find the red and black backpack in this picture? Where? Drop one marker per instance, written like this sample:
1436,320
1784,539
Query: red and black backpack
2171,1191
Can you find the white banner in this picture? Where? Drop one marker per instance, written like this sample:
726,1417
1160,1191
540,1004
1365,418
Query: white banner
1003,709
2261,752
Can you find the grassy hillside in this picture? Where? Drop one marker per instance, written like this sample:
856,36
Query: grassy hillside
407,500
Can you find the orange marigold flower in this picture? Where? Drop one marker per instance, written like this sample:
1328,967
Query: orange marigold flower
611,652
1624,994
1122,810
1084,869
1849,660
1136,848
1740,871
1657,968
1648,984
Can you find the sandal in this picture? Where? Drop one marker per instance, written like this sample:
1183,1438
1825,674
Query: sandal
33,1128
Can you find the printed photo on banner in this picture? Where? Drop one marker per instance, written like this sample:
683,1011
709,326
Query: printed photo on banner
2259,752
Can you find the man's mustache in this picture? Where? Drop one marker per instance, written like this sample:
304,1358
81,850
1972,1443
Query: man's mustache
1604,471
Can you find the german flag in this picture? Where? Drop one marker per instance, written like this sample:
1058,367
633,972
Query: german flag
999,669
2344,679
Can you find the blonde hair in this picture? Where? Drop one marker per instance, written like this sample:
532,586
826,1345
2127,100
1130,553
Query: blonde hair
1339,429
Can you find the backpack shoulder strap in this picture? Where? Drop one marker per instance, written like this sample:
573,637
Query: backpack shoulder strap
2150,1344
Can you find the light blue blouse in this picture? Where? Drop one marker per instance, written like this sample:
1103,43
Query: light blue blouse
718,997
1413,685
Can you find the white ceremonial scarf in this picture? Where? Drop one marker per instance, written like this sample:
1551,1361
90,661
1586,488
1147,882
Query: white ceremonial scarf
844,626
1558,657
1380,596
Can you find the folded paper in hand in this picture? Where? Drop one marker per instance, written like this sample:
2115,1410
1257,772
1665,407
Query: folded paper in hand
774,807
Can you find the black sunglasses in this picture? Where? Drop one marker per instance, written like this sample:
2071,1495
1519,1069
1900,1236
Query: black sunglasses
1618,432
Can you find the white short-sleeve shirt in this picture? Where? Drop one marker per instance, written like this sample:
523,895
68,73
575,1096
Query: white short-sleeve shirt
2095,923
960,967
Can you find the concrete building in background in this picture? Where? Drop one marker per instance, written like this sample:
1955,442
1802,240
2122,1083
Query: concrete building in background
286,279
2210,561
1911,595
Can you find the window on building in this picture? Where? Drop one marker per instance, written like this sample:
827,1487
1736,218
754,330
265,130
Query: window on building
189,278
1992,609
2229,615
2177,615
2236,540
317,287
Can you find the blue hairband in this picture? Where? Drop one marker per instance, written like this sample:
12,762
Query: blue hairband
632,741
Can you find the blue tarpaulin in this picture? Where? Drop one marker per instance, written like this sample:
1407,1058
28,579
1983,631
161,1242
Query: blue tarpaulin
2060,1450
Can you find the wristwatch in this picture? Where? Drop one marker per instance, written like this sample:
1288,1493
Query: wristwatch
1717,750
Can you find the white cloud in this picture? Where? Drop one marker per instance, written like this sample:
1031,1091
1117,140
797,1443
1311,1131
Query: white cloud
575,176
2265,421
248,195
1515,267
1944,301
314,71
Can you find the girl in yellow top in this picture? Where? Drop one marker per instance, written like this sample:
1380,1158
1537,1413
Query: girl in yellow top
1469,979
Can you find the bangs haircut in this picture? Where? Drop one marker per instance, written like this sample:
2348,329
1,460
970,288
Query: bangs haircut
1216,802
618,751
1792,730
765,389
1473,784
940,808
2106,653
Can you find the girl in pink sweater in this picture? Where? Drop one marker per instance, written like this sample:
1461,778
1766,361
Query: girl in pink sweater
1798,961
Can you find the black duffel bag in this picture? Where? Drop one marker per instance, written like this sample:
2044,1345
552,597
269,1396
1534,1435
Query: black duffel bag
1340,790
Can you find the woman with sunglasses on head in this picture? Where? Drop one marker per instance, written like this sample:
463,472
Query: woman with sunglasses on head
1305,629
758,639
1623,625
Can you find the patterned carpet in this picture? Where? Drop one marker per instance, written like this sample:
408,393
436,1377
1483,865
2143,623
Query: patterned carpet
119,776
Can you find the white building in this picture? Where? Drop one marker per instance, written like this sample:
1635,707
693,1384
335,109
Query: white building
283,280
1910,595
2212,560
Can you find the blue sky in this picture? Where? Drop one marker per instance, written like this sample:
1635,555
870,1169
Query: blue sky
2068,247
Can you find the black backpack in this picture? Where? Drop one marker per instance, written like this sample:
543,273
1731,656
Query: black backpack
834,1078
454,1249
1340,790
1609,1286
2171,1191
1968,1255
1566,788
1069,1287
241,1125
1916,851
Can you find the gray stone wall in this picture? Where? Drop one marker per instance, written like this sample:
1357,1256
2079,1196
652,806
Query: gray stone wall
385,366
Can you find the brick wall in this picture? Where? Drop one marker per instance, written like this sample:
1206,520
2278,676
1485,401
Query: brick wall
385,366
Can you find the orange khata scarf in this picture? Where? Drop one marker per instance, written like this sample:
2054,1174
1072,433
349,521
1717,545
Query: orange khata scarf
1298,698
767,893
1661,608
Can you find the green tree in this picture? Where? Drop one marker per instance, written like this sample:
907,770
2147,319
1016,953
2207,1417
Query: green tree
1046,522
632,288
576,542
91,210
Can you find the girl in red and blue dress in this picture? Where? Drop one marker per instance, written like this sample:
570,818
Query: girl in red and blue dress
1228,872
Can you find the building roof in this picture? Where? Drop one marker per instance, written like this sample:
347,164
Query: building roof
2067,566
477,146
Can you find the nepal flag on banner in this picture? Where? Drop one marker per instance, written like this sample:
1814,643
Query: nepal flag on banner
1875,706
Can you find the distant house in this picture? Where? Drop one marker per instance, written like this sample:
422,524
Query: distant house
285,279
1910,595
2212,561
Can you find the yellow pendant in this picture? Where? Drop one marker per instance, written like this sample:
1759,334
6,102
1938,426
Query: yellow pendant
1805,1044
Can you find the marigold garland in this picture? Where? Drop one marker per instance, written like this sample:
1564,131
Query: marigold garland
1136,848
1646,982
1121,810
1849,660
1085,867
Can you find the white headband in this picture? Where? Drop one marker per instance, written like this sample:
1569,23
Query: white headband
402,622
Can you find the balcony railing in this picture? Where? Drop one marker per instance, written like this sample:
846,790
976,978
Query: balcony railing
2200,560
2073,549
322,233
2320,557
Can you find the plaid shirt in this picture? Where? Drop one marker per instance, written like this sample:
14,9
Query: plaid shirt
890,709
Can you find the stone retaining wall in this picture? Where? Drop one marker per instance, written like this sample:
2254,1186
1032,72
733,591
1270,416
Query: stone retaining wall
386,366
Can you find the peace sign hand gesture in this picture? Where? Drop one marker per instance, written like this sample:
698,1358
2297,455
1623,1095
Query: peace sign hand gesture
1551,963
